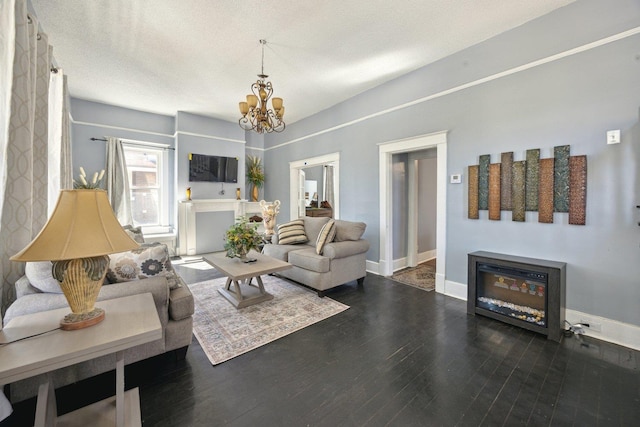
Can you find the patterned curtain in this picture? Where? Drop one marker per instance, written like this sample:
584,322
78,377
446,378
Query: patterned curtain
25,64
118,181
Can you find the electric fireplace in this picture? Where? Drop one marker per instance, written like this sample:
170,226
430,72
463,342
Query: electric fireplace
524,292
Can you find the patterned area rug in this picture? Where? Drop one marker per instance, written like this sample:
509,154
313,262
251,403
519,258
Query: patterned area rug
225,332
422,276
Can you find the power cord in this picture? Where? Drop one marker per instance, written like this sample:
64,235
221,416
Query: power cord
2,344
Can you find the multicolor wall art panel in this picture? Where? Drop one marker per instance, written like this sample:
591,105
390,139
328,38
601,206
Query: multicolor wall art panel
557,184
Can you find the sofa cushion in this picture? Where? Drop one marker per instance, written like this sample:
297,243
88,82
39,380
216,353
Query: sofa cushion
327,233
149,260
280,252
308,259
313,225
41,277
349,230
292,232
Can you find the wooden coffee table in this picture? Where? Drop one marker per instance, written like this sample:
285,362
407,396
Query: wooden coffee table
244,293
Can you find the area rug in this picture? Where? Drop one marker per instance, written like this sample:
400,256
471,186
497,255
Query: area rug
225,332
422,276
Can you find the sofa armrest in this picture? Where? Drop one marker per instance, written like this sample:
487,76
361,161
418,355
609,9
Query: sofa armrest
345,249
181,304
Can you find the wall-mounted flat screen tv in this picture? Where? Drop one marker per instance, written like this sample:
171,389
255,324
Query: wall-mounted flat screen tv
207,168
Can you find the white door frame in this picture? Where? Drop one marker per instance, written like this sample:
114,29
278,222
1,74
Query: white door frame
295,166
386,151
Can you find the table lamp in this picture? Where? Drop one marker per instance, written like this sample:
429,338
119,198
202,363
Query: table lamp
77,238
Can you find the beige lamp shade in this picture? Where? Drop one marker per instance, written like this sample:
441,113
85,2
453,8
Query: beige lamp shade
82,225
244,108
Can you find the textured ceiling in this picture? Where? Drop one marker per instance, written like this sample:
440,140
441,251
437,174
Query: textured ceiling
201,56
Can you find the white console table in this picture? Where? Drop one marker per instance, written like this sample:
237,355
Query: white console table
187,210
129,321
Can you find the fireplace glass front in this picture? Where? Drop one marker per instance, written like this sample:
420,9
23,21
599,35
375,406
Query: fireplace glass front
512,292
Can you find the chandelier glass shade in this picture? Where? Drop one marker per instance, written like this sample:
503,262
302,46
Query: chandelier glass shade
256,115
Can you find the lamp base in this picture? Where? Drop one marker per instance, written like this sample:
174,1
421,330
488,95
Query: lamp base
74,321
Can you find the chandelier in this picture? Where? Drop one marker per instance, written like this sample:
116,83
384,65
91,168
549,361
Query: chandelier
255,113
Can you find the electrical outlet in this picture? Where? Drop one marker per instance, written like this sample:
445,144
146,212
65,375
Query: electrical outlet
613,137
594,327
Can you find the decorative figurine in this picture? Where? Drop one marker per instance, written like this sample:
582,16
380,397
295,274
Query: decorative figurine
269,213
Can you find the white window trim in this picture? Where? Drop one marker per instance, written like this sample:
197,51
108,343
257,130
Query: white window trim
162,149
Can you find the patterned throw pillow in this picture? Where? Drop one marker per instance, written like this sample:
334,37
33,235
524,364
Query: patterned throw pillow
135,233
326,235
292,232
149,260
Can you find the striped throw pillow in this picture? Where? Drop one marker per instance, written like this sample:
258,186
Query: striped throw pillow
327,233
292,232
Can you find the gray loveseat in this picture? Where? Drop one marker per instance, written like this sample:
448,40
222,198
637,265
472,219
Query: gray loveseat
175,309
342,260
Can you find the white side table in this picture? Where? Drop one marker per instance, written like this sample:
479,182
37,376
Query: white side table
129,321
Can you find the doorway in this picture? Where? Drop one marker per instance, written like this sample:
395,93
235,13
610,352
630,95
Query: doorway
297,176
386,151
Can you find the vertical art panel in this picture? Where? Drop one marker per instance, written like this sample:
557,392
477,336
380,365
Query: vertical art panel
506,159
483,182
494,191
545,191
532,177
561,178
518,190
578,190
473,192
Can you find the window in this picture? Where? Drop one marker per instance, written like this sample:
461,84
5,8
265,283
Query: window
147,171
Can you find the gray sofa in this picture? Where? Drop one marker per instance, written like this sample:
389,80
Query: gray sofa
175,309
342,260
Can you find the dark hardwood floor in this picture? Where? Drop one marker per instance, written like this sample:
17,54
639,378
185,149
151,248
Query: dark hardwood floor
399,356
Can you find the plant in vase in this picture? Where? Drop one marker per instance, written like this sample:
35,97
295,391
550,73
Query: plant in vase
255,175
241,237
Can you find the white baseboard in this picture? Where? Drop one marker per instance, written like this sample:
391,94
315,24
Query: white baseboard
373,267
426,256
612,331
455,290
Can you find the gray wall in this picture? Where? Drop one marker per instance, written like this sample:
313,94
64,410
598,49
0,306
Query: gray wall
573,100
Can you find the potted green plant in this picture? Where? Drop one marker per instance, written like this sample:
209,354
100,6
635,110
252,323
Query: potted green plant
255,175
241,237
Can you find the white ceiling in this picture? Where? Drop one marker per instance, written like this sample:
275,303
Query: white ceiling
201,56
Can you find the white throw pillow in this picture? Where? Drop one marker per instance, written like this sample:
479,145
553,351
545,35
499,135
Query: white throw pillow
40,276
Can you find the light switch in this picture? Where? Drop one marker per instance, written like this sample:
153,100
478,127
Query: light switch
613,137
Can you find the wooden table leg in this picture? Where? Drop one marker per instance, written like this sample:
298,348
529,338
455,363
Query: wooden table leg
120,408
260,285
46,409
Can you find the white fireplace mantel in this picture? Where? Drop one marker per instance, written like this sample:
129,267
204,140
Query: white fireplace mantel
187,210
